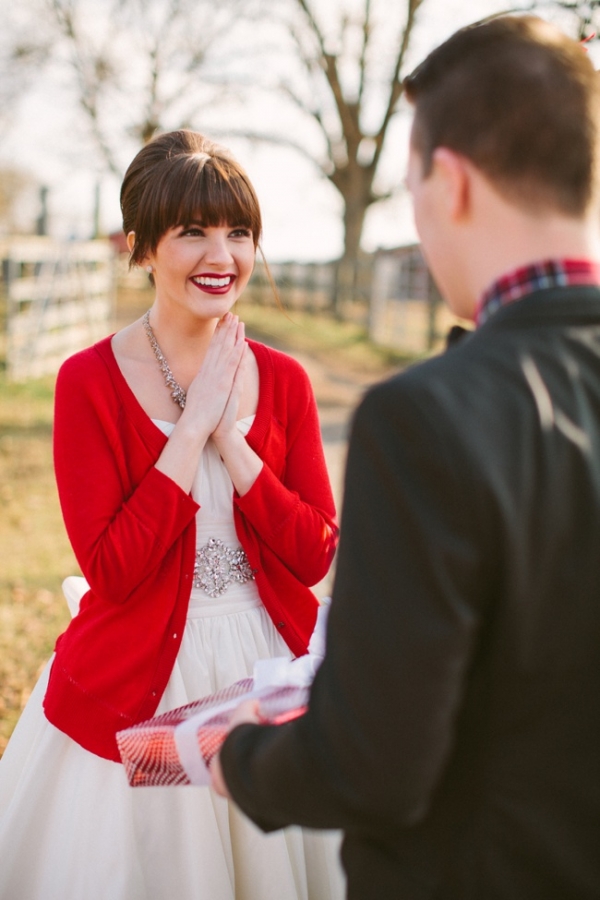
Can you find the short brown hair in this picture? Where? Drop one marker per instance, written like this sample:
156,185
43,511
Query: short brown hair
181,177
519,99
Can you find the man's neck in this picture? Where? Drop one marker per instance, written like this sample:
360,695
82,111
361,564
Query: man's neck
502,238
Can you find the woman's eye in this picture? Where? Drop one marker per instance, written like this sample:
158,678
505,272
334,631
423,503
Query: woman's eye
193,231
241,232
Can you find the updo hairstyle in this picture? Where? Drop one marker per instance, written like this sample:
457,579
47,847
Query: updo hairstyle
182,177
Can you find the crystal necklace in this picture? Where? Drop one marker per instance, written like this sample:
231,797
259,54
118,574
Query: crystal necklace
178,394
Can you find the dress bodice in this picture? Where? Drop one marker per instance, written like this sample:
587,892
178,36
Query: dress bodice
213,491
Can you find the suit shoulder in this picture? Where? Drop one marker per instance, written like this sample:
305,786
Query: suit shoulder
450,386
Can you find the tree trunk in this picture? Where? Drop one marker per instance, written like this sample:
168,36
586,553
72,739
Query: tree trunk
356,193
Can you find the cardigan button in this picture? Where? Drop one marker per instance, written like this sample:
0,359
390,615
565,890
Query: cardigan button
174,637
154,693
281,624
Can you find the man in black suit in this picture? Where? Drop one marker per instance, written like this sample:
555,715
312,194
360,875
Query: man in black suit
453,730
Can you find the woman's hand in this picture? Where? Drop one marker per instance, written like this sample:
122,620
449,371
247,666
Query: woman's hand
207,398
227,423
217,781
241,462
210,392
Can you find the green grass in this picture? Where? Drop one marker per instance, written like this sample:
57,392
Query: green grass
35,554
343,344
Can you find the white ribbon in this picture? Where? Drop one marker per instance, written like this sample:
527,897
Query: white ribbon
268,673
283,672
186,740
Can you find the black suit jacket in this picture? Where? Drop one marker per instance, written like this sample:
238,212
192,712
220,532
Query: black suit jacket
454,726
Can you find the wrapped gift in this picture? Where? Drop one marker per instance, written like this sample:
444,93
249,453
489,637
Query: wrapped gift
178,746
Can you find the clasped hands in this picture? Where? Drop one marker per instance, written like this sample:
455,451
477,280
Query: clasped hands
213,401
214,394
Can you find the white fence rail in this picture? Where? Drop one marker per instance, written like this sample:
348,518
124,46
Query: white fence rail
59,299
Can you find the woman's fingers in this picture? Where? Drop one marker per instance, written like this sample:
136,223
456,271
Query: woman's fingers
230,412
211,390
227,344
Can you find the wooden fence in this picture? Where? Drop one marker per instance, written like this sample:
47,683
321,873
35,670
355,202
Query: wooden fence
309,286
58,298
395,297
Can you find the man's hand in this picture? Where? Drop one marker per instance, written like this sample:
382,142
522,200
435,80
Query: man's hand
246,713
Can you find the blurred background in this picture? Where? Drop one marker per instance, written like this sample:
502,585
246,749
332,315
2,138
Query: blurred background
308,96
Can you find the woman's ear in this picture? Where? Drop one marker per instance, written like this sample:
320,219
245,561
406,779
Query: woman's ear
131,241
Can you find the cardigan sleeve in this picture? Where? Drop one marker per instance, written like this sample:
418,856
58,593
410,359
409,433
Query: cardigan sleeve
121,514
295,515
404,617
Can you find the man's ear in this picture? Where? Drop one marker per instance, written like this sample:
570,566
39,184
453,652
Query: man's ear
454,177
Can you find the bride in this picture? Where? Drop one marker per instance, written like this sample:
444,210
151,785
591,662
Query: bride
194,492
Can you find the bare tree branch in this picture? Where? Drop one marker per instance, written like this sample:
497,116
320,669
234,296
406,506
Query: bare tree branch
278,140
347,111
316,114
362,60
313,25
395,83
140,67
91,70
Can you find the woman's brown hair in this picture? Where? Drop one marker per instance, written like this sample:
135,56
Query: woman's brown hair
182,177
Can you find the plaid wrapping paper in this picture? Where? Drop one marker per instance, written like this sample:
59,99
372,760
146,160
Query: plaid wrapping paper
177,746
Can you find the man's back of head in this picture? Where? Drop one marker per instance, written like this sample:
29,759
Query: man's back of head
521,101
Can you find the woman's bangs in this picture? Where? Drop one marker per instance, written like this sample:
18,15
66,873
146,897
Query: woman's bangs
215,198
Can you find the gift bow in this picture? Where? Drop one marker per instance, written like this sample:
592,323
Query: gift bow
283,672
268,674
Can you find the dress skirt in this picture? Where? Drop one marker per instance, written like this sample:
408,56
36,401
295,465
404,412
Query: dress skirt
71,827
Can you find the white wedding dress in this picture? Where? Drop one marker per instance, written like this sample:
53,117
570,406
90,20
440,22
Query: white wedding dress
71,827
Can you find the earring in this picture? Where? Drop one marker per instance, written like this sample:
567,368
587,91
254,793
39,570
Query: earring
149,269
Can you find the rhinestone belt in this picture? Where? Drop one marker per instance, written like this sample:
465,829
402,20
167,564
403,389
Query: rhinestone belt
217,566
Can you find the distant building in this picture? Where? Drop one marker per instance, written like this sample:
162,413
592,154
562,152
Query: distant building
406,309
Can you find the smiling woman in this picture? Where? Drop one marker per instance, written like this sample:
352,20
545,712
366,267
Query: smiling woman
179,447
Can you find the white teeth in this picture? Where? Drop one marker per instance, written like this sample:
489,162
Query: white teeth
213,282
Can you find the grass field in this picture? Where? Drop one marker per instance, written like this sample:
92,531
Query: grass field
35,555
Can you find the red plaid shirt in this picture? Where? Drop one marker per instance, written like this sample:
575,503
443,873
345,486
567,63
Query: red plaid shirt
548,274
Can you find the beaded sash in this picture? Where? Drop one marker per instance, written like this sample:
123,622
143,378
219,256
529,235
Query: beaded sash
217,566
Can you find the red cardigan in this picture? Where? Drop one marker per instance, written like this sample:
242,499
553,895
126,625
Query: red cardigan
133,532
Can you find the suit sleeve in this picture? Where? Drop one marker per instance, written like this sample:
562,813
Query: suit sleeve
404,616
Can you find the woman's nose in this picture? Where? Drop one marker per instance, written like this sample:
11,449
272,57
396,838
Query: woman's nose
217,250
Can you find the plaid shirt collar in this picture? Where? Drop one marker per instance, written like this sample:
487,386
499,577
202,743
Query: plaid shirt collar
548,274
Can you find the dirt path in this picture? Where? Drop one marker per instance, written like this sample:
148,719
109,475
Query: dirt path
338,393
337,397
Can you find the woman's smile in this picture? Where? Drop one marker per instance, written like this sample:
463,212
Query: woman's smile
212,283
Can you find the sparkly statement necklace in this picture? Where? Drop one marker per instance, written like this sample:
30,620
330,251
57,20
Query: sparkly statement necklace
178,394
